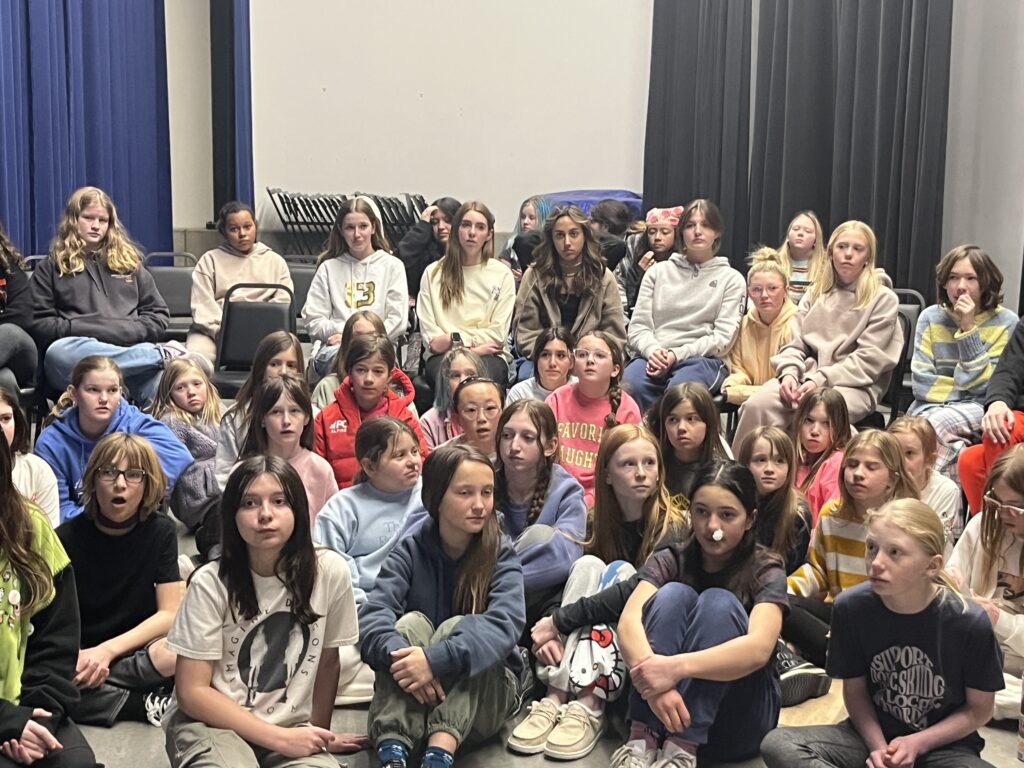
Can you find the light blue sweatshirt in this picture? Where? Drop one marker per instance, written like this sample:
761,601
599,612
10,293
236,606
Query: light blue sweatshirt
363,524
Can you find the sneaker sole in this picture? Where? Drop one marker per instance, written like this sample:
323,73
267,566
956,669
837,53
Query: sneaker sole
556,755
523,748
801,686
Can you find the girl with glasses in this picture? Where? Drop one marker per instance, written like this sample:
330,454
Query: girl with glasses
125,555
988,562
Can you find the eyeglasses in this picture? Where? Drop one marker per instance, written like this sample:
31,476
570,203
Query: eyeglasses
995,505
758,290
585,354
132,476
471,411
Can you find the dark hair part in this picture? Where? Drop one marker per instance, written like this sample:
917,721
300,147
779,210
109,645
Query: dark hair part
549,334
296,564
466,383
365,347
377,437
700,398
10,257
22,433
263,400
838,422
740,578
712,219
543,420
777,512
449,273
273,344
614,389
477,565
18,536
348,331
449,206
614,215
232,207
990,279
546,264
83,368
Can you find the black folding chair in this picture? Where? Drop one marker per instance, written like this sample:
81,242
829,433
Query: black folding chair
244,324
912,303
175,285
302,278
891,398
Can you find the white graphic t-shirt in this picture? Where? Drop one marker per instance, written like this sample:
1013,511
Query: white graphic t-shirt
267,664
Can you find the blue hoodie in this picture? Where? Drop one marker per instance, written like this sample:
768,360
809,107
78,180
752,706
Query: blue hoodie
363,524
548,547
418,576
63,446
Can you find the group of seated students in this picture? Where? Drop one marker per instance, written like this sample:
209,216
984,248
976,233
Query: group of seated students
585,536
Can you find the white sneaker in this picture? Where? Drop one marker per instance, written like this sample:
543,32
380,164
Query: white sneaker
633,754
156,705
576,734
674,756
171,350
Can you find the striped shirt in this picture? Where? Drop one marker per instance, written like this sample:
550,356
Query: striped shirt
835,560
950,366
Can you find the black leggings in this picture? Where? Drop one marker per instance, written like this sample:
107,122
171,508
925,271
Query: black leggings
807,627
76,753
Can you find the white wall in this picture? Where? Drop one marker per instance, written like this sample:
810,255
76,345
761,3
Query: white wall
188,97
984,194
479,100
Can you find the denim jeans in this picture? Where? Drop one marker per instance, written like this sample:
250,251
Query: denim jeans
142,364
728,719
17,358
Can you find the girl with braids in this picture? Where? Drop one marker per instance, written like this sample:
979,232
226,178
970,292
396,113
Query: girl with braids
356,272
576,646
594,403
568,285
542,504
468,296
988,562
918,661
270,589
93,297
699,631
783,518
280,352
686,423
39,628
18,355
440,626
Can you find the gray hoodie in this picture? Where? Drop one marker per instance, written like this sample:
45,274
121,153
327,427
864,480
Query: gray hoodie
689,309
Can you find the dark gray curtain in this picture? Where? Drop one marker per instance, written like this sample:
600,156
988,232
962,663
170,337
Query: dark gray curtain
850,119
698,112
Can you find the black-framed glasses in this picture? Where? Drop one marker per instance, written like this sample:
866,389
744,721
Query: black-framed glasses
132,475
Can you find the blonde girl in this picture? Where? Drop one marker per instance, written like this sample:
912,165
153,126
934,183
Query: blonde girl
919,663
846,335
188,403
93,297
802,254
873,473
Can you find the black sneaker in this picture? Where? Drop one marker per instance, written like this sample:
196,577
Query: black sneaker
526,682
157,705
800,679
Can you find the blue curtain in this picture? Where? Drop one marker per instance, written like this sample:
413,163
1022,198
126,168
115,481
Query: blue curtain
244,190
83,100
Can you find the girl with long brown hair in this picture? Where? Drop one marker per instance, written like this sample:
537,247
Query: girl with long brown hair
440,625
576,647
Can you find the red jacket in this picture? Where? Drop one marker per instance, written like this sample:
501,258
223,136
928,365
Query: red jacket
334,428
